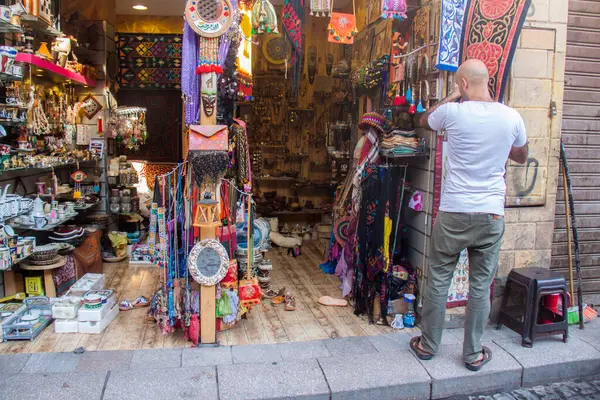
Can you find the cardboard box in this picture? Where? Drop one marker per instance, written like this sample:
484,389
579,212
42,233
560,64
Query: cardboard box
399,306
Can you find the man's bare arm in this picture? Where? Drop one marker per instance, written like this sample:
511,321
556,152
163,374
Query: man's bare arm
519,154
451,98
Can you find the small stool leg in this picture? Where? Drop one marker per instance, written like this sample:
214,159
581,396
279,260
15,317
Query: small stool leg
503,306
49,287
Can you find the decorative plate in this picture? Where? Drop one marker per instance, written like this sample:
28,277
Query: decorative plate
276,49
209,18
340,231
78,176
90,106
208,262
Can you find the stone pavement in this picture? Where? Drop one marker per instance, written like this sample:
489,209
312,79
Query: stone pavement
580,389
375,367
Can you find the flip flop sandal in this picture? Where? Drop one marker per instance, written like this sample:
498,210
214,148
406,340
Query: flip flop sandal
477,365
290,303
330,301
140,302
422,355
125,305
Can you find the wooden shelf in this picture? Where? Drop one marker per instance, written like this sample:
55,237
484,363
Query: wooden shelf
54,72
7,27
38,25
301,212
32,171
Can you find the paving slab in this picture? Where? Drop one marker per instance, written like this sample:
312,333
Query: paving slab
589,334
350,345
448,339
205,356
288,379
105,360
450,376
488,334
170,383
51,363
156,358
303,350
255,353
401,337
552,360
12,363
389,375
62,386
384,343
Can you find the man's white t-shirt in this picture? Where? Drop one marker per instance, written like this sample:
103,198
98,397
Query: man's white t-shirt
480,137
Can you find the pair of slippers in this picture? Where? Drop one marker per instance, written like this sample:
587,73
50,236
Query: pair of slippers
476,366
139,302
282,296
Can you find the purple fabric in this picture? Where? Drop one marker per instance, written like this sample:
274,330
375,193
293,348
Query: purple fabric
190,82
226,38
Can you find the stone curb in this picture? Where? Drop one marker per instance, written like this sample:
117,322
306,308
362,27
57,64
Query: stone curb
379,367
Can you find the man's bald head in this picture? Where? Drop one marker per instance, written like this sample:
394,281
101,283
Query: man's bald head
472,78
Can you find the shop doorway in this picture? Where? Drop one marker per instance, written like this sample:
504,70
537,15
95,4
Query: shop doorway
163,124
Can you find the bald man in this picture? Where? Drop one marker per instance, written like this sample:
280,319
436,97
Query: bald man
482,135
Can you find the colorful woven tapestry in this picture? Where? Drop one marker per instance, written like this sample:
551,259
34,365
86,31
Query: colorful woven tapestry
453,12
490,33
293,20
149,61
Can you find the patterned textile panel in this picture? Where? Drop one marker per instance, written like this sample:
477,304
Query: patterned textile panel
149,61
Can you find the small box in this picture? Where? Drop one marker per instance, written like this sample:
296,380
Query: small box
66,326
34,286
97,327
96,314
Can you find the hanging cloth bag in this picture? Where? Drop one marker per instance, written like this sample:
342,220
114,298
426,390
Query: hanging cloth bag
209,137
231,278
249,287
342,27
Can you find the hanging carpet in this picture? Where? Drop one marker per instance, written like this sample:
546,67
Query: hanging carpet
491,32
149,61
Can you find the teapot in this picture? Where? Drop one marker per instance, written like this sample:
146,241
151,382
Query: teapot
38,207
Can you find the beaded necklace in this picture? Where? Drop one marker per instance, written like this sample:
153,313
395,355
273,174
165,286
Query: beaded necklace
209,54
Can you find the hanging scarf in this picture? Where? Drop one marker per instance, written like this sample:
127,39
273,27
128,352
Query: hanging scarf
190,82
293,19
227,37
453,13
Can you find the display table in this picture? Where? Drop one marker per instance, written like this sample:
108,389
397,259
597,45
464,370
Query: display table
49,287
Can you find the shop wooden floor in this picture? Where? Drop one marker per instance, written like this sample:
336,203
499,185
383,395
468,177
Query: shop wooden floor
267,323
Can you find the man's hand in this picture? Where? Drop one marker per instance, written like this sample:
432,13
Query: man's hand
519,154
451,98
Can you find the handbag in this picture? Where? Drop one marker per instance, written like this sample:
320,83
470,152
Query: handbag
209,137
342,27
231,278
249,288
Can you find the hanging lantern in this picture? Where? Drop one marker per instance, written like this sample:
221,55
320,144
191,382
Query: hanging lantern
207,212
